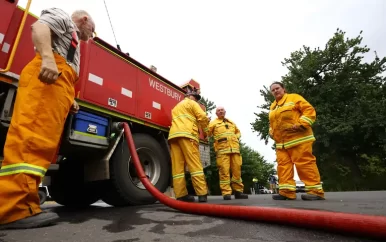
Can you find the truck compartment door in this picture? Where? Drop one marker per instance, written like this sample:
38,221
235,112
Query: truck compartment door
110,81
11,17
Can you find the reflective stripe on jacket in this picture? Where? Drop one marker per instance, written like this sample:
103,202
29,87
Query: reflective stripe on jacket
226,136
290,110
187,115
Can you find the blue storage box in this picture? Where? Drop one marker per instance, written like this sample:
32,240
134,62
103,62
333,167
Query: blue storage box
90,123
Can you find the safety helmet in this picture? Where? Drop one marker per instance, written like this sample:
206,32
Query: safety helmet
194,92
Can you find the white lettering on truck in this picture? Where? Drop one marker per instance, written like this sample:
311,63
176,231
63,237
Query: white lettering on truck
165,89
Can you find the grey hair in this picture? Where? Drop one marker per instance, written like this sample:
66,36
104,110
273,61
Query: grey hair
78,13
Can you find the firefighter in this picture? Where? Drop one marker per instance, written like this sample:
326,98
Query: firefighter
290,126
44,98
183,139
272,183
226,145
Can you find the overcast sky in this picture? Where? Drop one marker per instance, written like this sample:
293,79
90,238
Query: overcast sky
232,48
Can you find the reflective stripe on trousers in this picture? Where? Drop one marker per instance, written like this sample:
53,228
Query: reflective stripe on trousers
226,163
22,168
37,122
305,162
186,151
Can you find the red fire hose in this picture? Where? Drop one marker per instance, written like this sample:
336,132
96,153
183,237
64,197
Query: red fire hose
354,224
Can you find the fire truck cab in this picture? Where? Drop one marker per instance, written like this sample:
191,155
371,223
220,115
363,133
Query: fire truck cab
93,161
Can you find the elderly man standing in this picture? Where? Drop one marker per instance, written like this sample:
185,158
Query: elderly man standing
226,145
183,138
45,97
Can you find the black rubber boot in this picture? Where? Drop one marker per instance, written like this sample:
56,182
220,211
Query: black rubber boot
36,221
240,195
281,197
312,197
186,198
203,198
227,197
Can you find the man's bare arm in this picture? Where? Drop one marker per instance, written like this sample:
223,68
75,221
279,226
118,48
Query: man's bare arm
41,37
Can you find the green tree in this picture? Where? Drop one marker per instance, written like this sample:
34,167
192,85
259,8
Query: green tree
211,172
254,165
209,105
349,96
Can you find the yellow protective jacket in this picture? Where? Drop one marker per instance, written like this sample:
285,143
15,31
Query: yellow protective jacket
291,109
226,136
187,116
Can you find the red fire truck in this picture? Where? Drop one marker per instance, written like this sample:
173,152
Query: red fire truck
93,160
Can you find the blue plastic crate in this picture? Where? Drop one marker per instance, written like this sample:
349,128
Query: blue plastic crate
90,123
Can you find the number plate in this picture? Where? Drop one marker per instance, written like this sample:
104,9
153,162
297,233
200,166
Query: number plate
112,102
148,115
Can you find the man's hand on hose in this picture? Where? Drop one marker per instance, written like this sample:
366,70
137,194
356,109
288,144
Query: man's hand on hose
49,71
74,107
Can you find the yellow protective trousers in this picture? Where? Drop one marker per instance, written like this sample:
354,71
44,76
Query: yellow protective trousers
305,162
230,162
38,118
186,151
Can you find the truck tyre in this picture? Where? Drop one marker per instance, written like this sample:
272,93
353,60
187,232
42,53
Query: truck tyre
42,197
124,187
68,188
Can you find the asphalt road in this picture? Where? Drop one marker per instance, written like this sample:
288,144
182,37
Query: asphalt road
160,223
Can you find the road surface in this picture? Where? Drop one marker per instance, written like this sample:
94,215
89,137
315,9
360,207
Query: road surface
157,222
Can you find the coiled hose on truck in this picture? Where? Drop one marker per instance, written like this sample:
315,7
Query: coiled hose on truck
354,224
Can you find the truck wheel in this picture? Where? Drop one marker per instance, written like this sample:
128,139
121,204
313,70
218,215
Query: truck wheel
68,188
124,187
42,197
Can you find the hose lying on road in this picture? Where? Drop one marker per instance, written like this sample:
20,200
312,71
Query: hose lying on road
354,224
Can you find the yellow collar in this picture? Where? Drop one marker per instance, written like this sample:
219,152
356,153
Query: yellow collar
282,100
218,120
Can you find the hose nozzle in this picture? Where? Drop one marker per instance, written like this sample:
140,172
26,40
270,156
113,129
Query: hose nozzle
117,126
